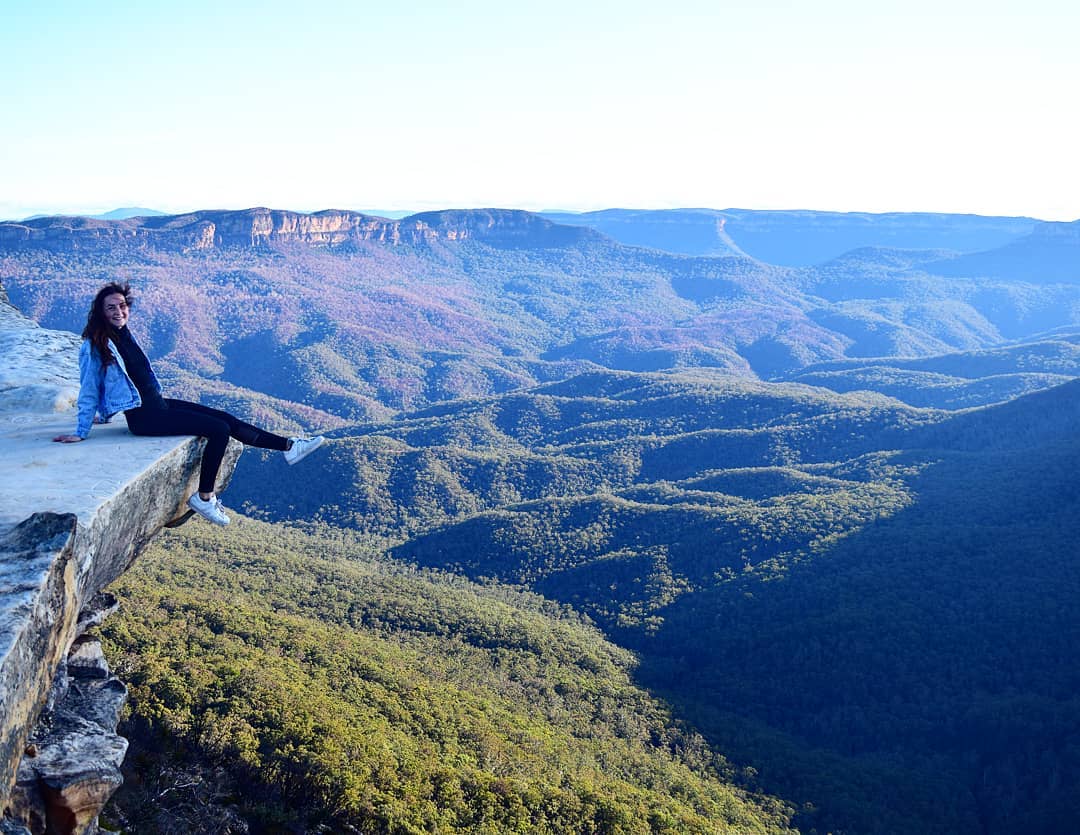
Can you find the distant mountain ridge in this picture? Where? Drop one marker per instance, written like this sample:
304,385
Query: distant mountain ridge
256,227
1049,254
115,214
686,231
785,238
129,211
796,238
349,314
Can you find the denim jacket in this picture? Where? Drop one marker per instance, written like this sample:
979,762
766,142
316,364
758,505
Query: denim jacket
104,389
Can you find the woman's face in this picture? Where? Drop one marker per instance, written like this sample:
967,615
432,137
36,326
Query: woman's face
115,308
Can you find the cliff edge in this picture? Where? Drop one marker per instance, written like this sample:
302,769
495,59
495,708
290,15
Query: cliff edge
73,517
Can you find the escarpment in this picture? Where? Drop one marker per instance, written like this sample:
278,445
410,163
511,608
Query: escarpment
73,517
261,227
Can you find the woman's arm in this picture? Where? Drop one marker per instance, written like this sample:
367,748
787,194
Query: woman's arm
90,374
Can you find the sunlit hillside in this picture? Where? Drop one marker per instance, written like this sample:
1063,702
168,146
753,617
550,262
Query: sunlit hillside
284,682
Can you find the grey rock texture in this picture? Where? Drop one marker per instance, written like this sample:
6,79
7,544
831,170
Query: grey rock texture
72,761
37,375
73,517
38,616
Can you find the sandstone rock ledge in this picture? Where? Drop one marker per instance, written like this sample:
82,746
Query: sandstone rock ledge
73,517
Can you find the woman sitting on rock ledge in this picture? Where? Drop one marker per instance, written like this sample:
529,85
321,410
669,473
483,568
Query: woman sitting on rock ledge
115,376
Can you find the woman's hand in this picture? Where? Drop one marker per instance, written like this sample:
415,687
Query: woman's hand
68,439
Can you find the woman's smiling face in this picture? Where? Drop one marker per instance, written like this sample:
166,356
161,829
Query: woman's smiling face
115,308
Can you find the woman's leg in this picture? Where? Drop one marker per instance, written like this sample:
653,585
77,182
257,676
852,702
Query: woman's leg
245,433
182,421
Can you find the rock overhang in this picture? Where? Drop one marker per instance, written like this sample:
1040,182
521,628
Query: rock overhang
73,517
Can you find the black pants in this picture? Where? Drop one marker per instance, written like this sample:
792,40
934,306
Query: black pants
184,418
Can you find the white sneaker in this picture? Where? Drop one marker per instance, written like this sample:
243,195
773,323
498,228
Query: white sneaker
302,448
209,509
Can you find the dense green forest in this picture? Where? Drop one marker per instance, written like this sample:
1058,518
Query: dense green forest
287,682
871,604
926,664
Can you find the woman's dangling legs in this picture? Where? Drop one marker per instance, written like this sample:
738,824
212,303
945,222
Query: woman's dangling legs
181,421
245,433
185,418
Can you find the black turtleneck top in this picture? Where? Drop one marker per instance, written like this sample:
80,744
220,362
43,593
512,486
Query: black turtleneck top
138,368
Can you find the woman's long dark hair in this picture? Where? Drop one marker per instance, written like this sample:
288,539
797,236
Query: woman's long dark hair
97,328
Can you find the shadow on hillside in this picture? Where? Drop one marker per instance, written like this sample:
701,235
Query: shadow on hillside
918,675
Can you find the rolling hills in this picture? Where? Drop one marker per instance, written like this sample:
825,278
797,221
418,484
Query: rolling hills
959,379
829,509
314,319
292,682
847,592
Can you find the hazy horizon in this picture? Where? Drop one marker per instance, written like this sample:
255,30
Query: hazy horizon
396,214
951,107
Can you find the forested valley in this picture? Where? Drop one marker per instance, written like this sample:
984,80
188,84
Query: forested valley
288,681
613,536
869,603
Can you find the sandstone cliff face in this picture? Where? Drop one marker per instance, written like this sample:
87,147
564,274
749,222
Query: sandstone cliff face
260,227
72,519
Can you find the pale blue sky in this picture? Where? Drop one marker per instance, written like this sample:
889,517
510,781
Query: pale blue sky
952,106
